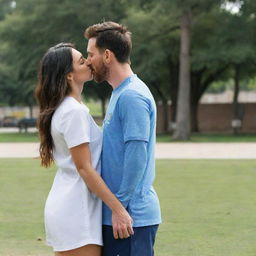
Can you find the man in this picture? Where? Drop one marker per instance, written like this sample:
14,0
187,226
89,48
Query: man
128,164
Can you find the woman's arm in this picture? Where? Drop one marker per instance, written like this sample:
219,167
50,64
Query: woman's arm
121,220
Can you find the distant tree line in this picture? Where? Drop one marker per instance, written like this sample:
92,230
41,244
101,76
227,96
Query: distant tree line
180,47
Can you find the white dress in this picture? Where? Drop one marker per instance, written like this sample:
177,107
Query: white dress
73,214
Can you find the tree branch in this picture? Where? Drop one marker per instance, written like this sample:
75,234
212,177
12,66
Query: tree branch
210,79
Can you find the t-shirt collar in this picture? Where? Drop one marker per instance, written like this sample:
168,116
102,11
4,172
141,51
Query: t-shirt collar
124,83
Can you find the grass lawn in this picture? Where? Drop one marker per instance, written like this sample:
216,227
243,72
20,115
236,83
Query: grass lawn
19,137
208,207
212,138
33,137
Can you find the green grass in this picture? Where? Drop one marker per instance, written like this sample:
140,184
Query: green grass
212,138
208,207
19,137
33,137
23,189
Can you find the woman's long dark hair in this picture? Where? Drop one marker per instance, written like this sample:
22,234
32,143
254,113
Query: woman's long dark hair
51,89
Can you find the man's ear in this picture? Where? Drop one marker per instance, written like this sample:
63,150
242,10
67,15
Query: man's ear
107,56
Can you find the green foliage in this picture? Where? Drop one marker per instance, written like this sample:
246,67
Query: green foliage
221,86
155,44
251,84
6,8
219,40
33,27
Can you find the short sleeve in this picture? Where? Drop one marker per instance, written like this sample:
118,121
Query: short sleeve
134,112
75,126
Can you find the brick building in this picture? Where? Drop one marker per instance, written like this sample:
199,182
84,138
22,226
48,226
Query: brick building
215,113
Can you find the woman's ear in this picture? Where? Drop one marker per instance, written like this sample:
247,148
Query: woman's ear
70,76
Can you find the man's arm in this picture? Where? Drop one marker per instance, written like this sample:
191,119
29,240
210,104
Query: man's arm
135,161
134,113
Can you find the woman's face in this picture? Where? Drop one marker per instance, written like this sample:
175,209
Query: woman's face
81,72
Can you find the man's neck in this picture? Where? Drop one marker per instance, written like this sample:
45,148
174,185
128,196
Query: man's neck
118,73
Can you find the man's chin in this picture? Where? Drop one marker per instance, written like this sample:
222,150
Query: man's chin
98,79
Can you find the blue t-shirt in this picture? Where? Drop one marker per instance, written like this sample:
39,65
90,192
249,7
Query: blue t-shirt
128,157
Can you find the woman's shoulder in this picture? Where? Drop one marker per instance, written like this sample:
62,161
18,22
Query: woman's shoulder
70,105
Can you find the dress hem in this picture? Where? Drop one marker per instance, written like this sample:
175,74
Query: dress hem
74,246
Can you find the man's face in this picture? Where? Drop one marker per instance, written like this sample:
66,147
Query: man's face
95,62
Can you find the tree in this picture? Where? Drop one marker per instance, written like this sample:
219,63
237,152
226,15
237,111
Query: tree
188,8
182,131
216,45
242,53
155,51
26,36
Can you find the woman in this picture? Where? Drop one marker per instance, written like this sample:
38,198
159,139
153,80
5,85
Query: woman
70,137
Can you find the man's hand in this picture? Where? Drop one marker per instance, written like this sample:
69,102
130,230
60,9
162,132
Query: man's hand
122,224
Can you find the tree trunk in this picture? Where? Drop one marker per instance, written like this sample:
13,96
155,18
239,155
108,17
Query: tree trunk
194,117
174,84
166,115
173,111
196,80
198,88
182,131
165,106
173,114
236,123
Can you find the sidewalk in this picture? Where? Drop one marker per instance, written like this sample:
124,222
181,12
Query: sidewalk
163,150
206,151
15,129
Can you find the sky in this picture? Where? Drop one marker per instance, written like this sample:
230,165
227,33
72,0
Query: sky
232,7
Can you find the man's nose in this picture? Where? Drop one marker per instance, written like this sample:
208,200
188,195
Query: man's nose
88,61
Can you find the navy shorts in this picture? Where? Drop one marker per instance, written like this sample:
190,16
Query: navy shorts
140,244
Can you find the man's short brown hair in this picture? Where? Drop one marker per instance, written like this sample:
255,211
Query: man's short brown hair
112,36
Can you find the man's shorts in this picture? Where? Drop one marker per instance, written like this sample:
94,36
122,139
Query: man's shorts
139,244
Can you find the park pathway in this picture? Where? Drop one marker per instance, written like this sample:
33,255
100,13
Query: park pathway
163,150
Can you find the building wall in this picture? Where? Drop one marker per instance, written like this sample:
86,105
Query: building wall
218,117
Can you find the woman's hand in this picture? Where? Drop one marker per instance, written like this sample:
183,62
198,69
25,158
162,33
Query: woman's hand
122,224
